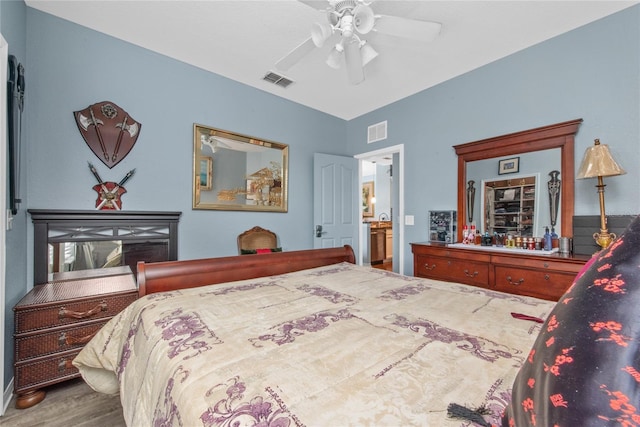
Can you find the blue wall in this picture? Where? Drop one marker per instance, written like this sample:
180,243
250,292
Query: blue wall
13,20
590,73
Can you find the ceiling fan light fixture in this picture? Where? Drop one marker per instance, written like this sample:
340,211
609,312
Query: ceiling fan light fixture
346,25
363,18
334,60
320,33
367,52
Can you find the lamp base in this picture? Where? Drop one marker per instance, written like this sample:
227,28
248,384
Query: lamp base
604,238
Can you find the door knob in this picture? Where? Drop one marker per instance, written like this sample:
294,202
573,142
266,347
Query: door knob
319,231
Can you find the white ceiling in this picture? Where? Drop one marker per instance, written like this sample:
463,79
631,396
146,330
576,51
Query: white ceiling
242,40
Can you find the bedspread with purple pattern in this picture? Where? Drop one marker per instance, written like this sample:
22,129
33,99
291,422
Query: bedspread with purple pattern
335,345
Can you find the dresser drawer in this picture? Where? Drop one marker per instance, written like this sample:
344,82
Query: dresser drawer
453,270
43,371
32,318
546,263
547,285
56,340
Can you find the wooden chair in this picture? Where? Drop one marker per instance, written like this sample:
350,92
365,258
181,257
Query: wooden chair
257,238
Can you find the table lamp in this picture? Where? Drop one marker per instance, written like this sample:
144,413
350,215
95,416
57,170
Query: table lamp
598,162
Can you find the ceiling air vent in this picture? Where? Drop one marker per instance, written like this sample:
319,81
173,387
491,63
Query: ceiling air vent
377,132
277,79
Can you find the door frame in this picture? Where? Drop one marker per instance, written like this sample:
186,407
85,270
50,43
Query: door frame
5,395
398,171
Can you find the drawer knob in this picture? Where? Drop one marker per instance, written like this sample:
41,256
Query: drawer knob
474,274
426,267
546,277
511,282
63,313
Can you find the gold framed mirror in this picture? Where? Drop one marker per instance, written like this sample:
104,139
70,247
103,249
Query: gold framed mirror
238,172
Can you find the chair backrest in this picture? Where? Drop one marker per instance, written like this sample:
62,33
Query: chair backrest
257,238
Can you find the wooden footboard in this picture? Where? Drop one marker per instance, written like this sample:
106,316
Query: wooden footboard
171,275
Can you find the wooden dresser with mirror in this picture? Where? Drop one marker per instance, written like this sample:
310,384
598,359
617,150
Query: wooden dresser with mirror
518,272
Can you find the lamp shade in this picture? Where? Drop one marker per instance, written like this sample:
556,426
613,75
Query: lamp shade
598,161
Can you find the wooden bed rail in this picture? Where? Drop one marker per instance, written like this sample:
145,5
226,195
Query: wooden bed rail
172,275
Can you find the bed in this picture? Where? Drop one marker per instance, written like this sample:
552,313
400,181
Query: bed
308,338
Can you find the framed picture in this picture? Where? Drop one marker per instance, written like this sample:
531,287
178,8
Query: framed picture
511,165
367,199
206,173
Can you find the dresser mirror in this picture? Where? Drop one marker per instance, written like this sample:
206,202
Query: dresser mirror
550,147
67,240
539,164
238,172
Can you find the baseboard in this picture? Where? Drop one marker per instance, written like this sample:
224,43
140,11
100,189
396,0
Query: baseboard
6,398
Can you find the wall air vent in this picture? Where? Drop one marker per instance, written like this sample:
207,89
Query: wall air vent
277,79
377,132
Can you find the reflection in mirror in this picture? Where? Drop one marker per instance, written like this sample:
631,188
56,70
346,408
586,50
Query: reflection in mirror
65,256
510,206
238,172
537,163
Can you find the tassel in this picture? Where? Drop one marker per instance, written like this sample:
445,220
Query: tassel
460,412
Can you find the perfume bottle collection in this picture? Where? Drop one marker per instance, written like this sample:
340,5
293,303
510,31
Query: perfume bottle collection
549,242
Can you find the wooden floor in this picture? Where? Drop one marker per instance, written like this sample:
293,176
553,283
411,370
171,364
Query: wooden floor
385,265
69,404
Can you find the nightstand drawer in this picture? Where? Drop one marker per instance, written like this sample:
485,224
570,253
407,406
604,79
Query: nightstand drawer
56,340
42,371
33,318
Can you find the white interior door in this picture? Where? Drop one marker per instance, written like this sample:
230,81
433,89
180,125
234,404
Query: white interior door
335,201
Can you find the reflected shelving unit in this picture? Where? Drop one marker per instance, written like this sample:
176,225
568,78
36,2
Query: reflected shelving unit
510,206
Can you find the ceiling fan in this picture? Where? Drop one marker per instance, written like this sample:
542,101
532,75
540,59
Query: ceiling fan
347,22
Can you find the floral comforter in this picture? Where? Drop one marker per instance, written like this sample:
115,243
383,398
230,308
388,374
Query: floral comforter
337,345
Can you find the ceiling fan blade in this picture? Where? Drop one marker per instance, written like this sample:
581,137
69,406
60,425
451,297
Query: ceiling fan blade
293,57
353,59
425,31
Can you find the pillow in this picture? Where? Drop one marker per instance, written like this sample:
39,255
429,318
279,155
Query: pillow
584,368
259,251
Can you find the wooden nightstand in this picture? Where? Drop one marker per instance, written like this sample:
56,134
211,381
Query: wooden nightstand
56,319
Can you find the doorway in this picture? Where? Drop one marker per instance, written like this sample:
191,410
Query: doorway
383,227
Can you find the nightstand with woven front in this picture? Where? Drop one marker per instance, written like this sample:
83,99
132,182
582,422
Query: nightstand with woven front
56,319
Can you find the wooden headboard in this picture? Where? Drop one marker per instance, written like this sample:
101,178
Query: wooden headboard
172,275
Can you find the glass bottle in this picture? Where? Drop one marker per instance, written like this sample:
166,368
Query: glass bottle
555,240
547,239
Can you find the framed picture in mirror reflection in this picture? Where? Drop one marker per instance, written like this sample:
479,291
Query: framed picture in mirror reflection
511,165
206,173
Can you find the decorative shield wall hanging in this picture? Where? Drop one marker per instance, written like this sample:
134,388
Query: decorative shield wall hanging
109,193
109,131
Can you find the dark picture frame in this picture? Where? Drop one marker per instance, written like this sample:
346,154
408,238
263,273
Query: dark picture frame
510,165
